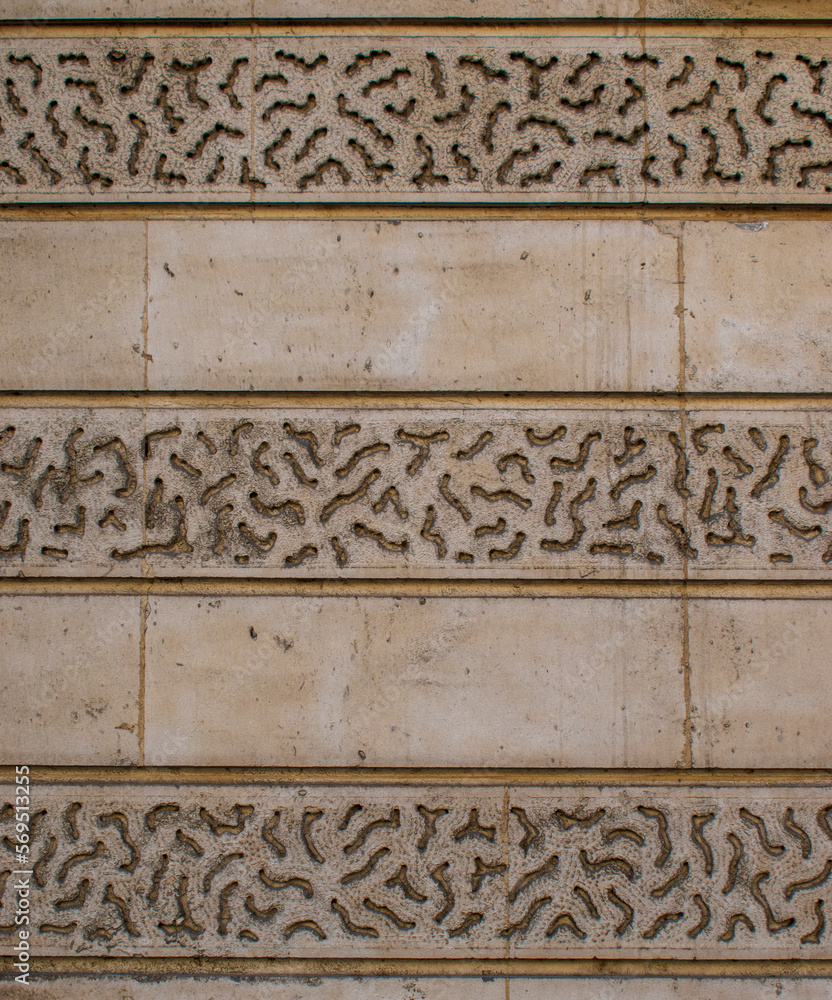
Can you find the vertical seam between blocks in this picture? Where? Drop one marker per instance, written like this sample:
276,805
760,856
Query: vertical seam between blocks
680,306
144,568
687,725
687,752
143,613
146,312
252,55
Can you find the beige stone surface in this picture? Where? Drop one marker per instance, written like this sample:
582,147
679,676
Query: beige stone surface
412,306
72,299
220,864
108,987
69,680
300,9
409,118
553,8
614,988
759,683
527,305
757,316
414,682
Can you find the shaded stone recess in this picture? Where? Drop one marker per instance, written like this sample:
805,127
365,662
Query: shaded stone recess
457,493
278,118
432,871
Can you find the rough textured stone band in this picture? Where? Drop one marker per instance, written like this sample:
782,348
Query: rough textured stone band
444,493
454,118
432,871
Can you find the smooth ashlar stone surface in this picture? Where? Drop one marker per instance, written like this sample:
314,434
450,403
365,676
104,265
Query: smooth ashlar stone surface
70,680
757,315
445,682
613,988
530,305
109,987
759,688
145,9
72,300
444,118
335,9
348,305
431,871
472,493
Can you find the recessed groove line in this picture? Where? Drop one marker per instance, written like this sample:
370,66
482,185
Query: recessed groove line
697,777
410,211
256,967
765,590
331,399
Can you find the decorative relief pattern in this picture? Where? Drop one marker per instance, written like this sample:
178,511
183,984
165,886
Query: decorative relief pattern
427,872
279,118
410,492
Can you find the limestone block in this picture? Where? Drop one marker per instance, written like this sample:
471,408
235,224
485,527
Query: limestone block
70,680
654,871
282,305
551,9
392,9
613,988
417,682
757,315
474,492
72,299
531,305
106,987
109,987
759,683
407,118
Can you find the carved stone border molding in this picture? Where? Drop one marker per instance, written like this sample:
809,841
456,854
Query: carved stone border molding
456,493
398,119
735,872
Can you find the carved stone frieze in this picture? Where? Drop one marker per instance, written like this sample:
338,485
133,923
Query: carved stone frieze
293,118
429,871
401,492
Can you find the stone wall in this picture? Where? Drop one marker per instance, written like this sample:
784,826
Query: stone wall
415,467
